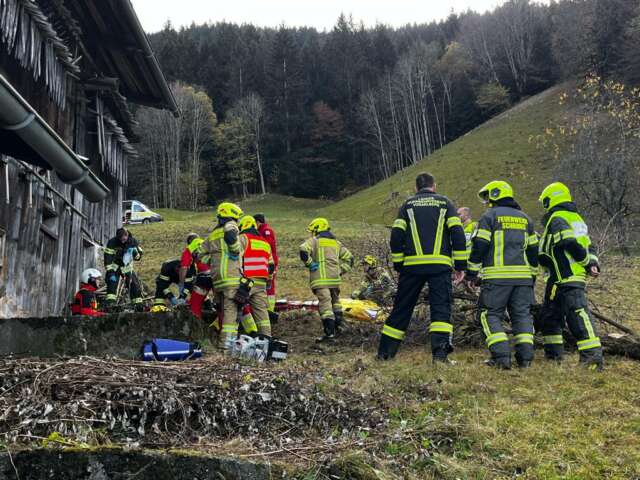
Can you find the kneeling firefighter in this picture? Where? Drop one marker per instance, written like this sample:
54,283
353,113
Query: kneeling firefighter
85,302
505,254
327,260
170,275
568,257
257,266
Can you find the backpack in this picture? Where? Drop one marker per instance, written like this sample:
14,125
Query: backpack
164,350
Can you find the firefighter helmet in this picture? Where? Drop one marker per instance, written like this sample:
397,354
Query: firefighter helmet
370,260
191,237
195,245
494,191
229,210
247,222
555,194
90,275
159,309
319,225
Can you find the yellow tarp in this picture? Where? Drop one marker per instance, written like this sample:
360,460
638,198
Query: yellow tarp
362,310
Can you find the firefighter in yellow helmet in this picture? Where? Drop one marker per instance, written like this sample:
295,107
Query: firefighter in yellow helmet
377,285
258,266
468,225
504,253
222,250
567,255
327,259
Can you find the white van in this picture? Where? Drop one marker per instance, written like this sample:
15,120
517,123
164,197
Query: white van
138,212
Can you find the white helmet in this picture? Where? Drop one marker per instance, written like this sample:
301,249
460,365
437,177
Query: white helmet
90,274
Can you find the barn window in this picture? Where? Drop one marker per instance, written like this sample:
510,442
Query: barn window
50,221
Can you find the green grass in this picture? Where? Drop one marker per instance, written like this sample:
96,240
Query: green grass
468,421
500,149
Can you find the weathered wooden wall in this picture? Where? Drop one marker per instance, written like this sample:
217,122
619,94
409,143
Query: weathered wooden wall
43,257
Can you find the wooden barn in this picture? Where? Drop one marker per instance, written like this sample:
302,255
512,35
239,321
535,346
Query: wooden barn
69,70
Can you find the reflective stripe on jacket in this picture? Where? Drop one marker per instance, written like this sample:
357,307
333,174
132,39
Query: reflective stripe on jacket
256,257
332,257
505,246
565,247
223,254
427,237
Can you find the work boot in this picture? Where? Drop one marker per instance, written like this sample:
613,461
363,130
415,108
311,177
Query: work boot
524,363
388,348
501,363
592,360
329,326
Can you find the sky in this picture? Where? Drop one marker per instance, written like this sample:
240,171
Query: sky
321,14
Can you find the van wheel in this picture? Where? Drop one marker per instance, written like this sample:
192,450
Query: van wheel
145,221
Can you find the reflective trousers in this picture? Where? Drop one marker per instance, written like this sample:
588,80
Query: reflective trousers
569,304
494,300
330,309
440,298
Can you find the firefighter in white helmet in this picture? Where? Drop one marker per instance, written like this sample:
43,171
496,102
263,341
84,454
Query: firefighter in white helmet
84,302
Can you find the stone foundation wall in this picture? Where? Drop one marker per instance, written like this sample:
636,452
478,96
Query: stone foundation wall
118,335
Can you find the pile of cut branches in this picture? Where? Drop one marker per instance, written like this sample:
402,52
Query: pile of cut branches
177,404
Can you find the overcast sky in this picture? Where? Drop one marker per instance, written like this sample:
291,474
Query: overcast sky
321,14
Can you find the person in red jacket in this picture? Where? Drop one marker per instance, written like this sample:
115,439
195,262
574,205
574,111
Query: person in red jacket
84,302
270,236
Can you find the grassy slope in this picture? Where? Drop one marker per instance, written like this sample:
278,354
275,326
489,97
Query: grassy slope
467,421
499,149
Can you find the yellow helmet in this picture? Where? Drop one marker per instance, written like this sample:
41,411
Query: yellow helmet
159,309
370,260
229,210
195,245
247,222
555,194
318,225
494,191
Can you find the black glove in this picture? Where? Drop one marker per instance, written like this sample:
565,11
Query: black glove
244,291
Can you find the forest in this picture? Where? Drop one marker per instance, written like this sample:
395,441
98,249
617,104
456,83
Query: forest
323,114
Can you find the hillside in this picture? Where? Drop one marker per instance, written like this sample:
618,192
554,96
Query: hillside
498,149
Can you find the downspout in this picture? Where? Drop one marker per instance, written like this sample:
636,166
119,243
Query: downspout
18,116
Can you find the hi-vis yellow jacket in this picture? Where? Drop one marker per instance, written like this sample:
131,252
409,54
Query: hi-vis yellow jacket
222,250
332,259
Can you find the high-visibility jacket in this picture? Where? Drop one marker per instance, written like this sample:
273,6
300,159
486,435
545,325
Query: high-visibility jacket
505,246
85,303
566,251
257,261
427,237
332,258
187,260
115,252
222,251
469,229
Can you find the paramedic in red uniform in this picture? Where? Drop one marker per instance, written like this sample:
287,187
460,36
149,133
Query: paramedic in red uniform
270,236
84,302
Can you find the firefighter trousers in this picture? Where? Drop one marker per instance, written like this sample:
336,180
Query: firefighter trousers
163,290
494,300
440,328
259,310
132,282
569,304
330,309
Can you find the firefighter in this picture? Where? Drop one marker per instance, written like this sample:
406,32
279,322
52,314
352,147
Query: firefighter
258,266
567,255
222,250
170,275
427,240
119,255
84,302
270,236
202,283
327,260
505,255
377,285
468,225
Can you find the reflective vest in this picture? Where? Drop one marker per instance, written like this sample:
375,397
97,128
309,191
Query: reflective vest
563,268
469,228
224,259
332,257
256,258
